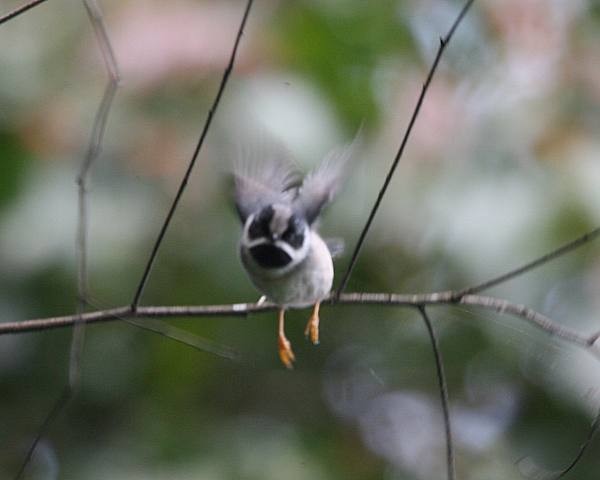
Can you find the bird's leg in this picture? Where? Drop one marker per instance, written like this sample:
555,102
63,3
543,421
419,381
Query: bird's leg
312,327
285,348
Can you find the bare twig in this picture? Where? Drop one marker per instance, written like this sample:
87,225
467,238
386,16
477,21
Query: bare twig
139,316
185,338
499,305
582,448
57,408
186,176
104,43
93,150
559,252
18,11
445,297
536,472
443,389
355,253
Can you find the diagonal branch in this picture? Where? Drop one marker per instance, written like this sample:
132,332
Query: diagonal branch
163,230
533,471
554,254
185,338
361,239
60,403
18,11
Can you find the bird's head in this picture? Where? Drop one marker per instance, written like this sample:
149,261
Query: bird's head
276,237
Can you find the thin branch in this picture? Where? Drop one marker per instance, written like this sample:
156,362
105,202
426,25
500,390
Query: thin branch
186,338
108,55
538,472
445,297
95,145
93,150
582,448
184,181
505,277
443,389
534,318
19,11
443,43
56,409
498,305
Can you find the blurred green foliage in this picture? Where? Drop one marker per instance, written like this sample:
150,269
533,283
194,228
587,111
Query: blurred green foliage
338,45
15,161
501,167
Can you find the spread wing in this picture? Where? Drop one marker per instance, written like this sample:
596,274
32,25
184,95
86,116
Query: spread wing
323,182
263,176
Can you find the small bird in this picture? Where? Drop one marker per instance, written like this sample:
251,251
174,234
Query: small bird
285,257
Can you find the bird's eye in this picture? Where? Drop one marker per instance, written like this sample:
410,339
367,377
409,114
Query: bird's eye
259,227
256,230
294,234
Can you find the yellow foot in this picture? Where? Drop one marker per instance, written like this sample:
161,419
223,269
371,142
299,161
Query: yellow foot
285,352
312,327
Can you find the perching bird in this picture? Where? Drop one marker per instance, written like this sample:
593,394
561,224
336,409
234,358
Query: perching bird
285,257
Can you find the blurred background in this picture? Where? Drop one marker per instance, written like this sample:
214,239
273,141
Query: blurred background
503,165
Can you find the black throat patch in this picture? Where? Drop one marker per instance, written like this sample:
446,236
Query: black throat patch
270,256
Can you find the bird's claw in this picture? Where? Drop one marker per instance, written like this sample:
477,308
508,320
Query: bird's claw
286,355
312,329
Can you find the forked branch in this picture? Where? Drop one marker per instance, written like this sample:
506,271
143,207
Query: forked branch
139,315
163,229
499,305
363,234
93,151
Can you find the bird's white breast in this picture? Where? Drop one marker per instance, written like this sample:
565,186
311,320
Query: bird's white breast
307,283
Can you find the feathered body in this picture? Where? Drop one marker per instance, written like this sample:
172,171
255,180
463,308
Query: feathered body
307,283
285,257
283,254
